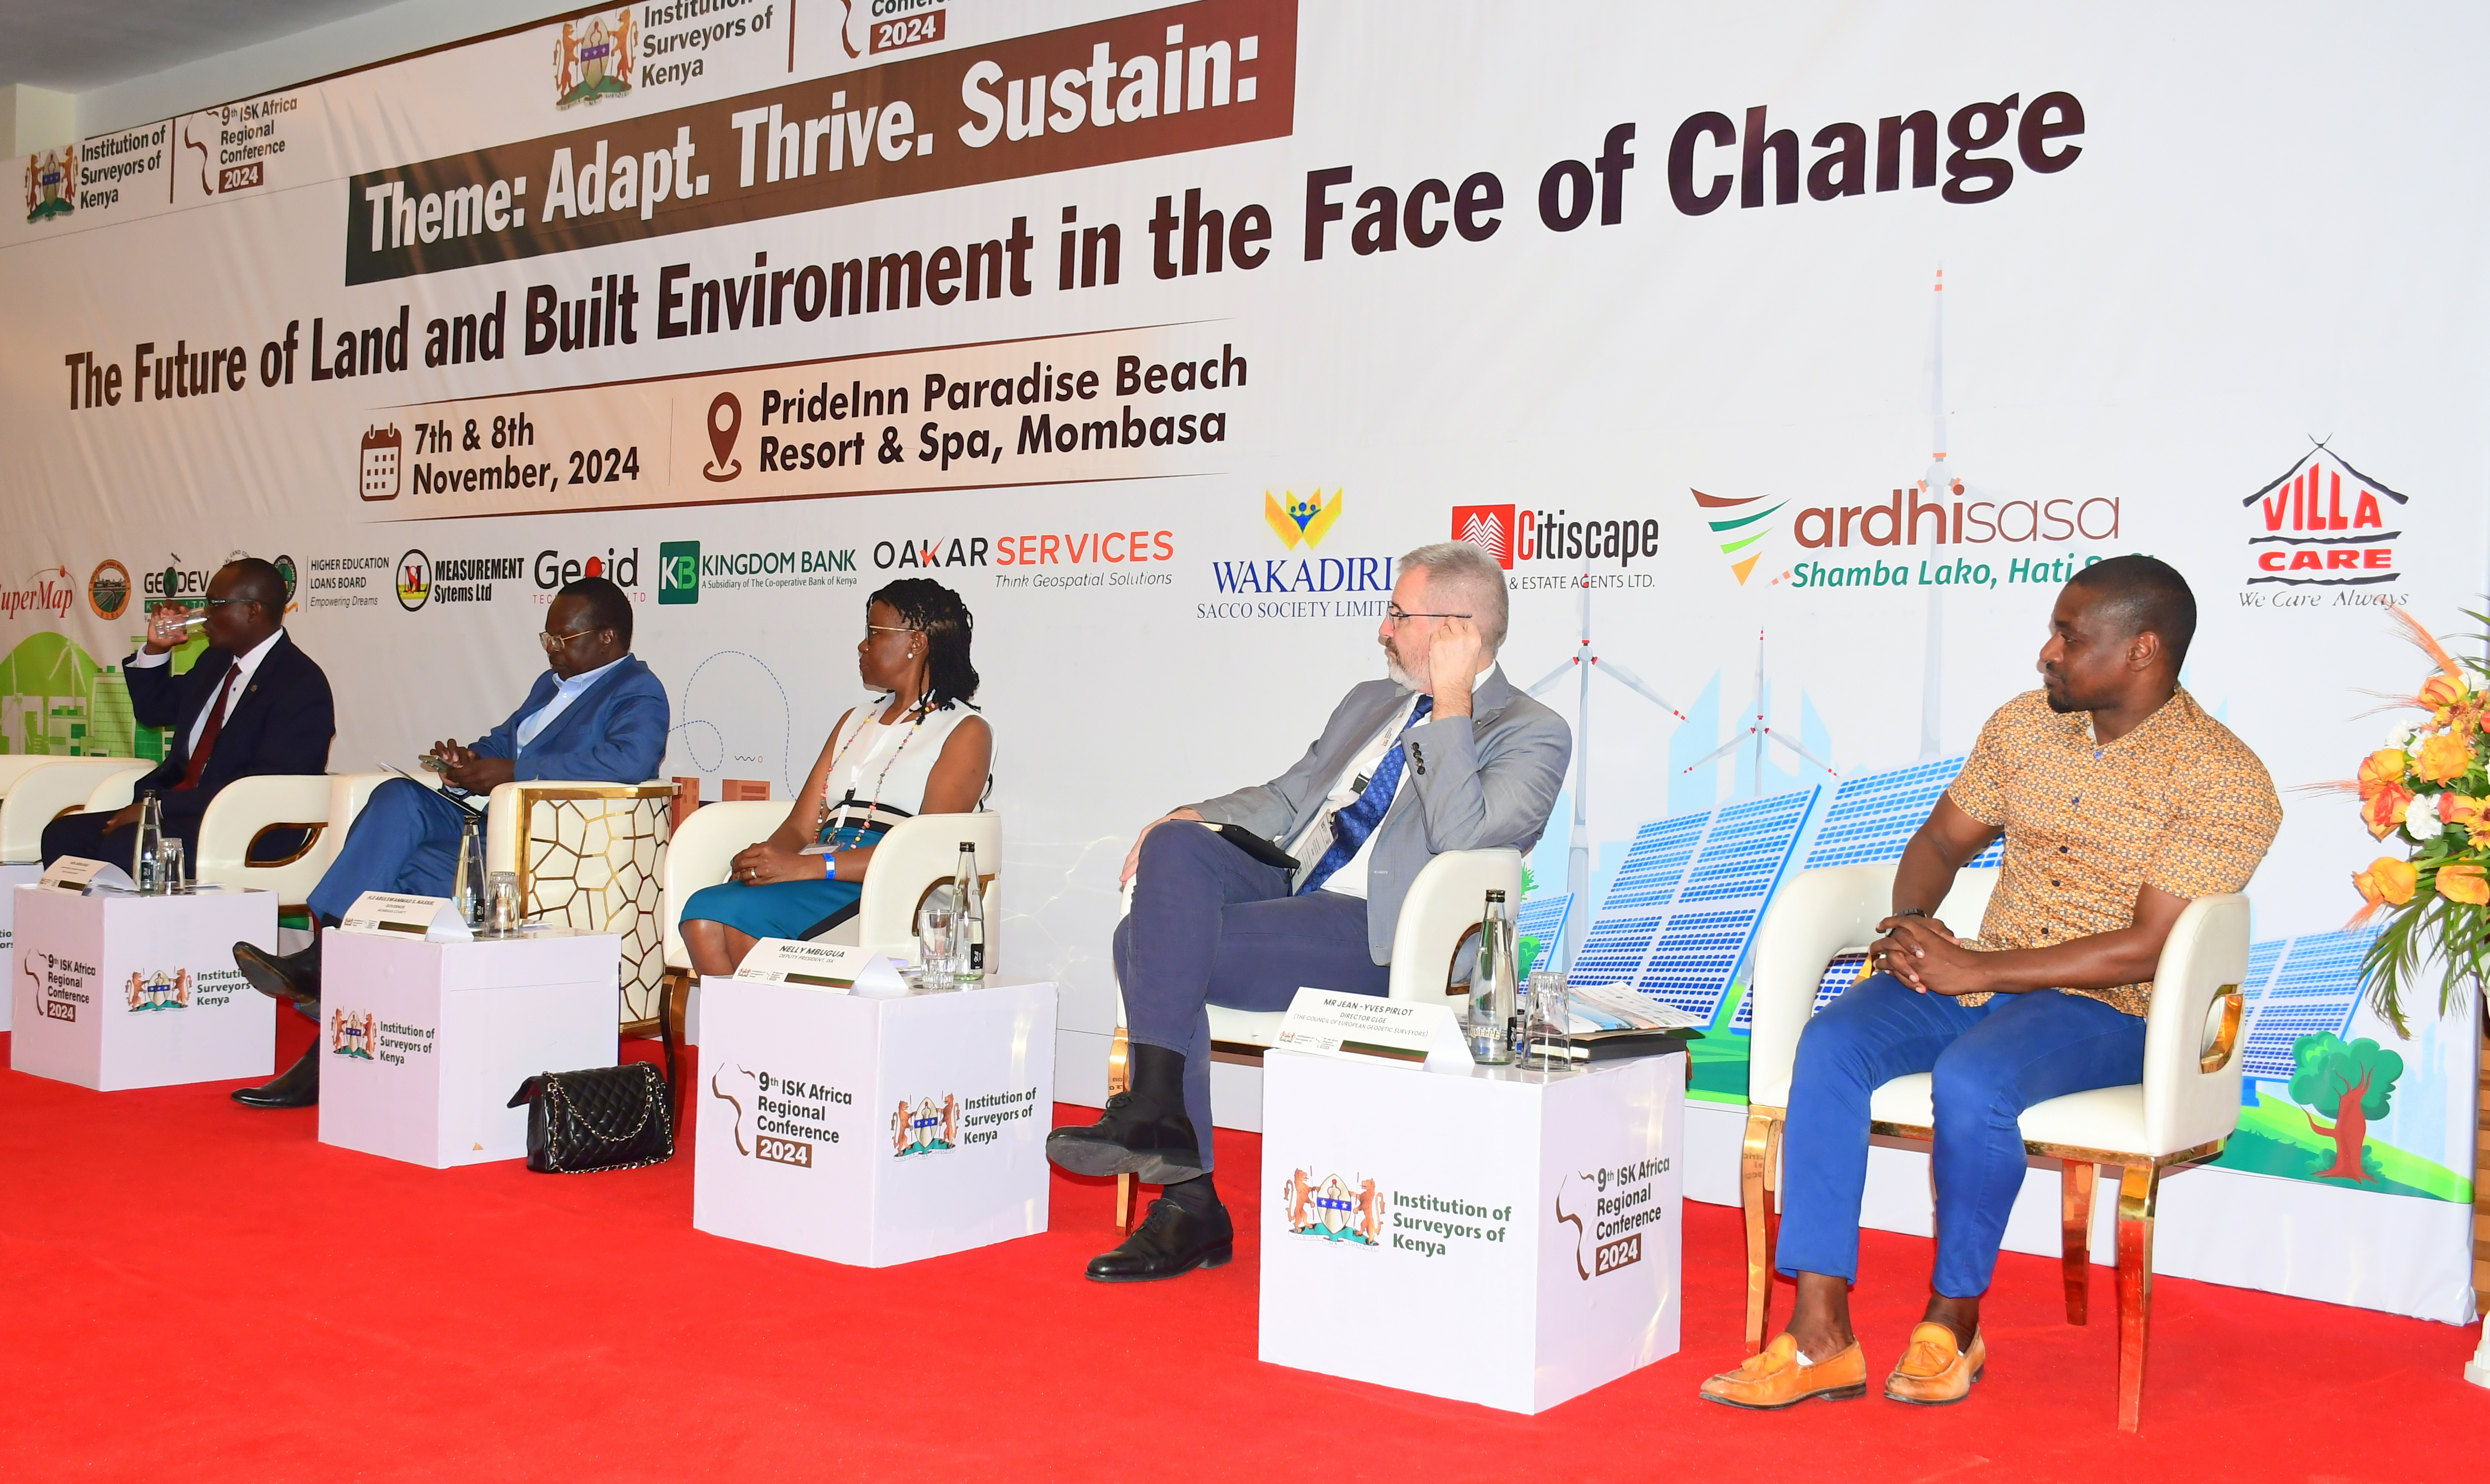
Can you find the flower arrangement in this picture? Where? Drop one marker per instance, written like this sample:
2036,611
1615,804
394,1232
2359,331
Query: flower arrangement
2430,785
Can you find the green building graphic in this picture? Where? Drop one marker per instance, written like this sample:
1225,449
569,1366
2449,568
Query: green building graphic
56,701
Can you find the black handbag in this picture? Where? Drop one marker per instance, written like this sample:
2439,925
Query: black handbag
603,1117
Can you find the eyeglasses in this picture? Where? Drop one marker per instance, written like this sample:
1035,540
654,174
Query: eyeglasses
225,602
871,629
554,642
1396,616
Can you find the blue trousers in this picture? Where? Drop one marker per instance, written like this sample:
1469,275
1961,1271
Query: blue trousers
1989,1063
406,840
1212,925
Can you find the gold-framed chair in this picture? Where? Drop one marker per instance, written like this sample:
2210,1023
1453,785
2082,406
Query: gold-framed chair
2185,1110
592,855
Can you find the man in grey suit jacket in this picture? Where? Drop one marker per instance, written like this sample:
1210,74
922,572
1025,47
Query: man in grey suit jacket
1443,755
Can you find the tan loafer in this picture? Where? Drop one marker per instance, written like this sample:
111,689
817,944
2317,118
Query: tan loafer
1935,1372
1777,1378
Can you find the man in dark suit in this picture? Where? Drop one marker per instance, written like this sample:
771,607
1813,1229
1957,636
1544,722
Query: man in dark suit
596,716
252,703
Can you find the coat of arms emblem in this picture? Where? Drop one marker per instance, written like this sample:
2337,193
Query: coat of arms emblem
924,1126
51,184
1333,1209
595,61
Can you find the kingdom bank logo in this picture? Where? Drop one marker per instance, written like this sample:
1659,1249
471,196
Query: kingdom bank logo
679,571
1297,520
1332,1210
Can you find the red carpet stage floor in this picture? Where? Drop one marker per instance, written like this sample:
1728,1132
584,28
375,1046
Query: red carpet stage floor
195,1289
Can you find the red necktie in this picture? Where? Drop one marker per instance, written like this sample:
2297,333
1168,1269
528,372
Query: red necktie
207,742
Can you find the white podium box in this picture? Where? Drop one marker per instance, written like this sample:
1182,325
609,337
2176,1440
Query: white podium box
12,877
112,992
873,1131
1498,1237
421,1044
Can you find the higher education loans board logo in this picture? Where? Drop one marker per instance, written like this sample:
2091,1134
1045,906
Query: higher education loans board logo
2321,524
160,991
1301,521
593,58
351,1035
1333,1211
679,571
925,1128
107,589
48,191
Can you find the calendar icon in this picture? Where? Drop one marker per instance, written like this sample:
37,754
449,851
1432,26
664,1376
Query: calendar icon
381,476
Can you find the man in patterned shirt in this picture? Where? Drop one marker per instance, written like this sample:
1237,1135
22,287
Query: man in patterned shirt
2120,800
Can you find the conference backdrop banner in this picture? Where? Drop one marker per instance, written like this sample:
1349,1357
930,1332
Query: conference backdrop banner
1787,380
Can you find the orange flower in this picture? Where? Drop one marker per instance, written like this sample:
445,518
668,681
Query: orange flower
2444,759
2387,879
2464,884
2460,809
2441,691
2384,808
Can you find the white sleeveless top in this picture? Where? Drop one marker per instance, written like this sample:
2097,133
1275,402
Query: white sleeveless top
877,773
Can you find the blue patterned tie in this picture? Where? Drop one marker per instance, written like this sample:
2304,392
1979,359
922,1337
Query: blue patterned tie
1350,826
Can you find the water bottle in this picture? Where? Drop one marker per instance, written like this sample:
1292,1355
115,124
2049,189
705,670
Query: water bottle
968,943
147,854
1493,1007
467,889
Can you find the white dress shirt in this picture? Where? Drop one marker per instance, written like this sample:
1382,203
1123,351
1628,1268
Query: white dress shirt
564,693
1316,837
243,669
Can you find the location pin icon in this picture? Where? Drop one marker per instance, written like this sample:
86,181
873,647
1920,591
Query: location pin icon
725,421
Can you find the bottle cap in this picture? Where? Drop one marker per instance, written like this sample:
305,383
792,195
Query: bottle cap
968,845
1495,895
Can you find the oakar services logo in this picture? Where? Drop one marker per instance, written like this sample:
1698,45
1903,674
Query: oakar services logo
2322,523
108,589
1332,1210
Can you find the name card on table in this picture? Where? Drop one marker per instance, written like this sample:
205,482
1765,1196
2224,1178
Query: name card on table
75,873
1360,1028
838,967
387,914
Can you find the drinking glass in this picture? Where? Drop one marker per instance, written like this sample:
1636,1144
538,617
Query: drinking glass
502,904
935,940
1547,1031
171,881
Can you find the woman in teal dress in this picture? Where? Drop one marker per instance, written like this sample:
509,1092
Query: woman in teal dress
921,750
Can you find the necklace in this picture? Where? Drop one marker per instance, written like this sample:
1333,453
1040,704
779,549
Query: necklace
823,818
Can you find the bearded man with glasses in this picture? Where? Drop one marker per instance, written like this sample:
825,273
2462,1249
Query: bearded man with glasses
595,716
1443,754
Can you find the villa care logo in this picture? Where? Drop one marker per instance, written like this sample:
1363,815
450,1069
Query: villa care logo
2321,524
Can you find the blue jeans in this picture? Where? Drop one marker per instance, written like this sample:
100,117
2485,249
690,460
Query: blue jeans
405,840
1212,925
1991,1062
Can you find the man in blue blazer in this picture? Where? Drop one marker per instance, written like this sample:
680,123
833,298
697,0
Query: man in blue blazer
598,715
252,703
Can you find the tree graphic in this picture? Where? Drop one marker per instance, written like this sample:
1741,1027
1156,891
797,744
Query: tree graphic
2355,1080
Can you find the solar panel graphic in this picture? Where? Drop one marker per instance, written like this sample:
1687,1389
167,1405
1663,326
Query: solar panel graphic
2296,987
1544,917
1683,911
1872,816
1839,976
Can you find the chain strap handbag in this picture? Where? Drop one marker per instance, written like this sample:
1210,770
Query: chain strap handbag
603,1117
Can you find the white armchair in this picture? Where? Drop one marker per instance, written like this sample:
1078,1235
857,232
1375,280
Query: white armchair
2183,1110
39,789
1438,918
249,808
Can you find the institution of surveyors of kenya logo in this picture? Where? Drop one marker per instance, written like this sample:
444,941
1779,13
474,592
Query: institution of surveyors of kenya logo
107,589
925,1128
593,58
1333,1211
49,193
159,990
351,1035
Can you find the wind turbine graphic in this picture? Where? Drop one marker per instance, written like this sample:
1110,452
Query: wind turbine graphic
1757,733
1577,840
1936,482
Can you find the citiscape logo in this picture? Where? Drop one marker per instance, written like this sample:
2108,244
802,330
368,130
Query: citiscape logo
159,991
2319,524
107,589
351,1035
1332,1210
1516,537
593,58
47,589
925,1128
682,569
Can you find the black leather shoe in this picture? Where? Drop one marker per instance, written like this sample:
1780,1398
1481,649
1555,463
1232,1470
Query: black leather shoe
299,1087
1144,1131
293,977
1170,1241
